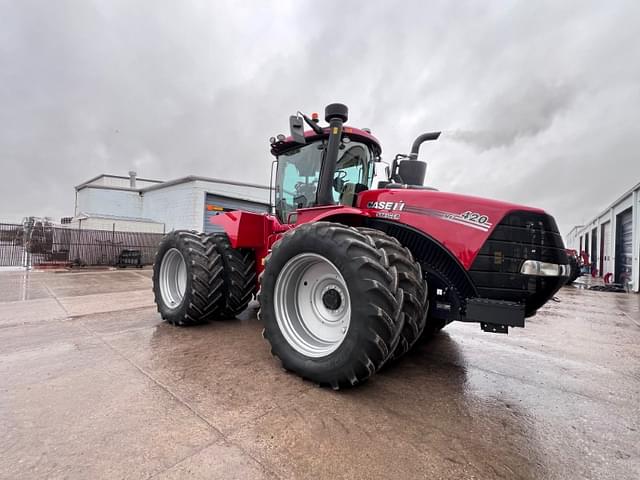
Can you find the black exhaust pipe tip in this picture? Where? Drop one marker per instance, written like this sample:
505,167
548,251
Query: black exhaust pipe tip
336,110
425,137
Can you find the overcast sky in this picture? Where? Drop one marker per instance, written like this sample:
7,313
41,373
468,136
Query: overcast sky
539,103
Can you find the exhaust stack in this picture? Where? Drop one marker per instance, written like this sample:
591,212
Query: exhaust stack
335,115
410,170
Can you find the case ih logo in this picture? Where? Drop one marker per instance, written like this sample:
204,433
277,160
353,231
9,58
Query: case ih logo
386,205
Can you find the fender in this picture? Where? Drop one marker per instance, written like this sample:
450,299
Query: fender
317,214
248,229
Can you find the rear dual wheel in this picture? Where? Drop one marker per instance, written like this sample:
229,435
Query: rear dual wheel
331,304
200,277
238,275
187,281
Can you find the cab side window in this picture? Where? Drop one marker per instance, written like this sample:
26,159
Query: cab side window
298,172
351,167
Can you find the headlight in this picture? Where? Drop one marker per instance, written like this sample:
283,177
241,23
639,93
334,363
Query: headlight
544,269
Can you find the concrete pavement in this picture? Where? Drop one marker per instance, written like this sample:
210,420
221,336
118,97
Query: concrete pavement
94,385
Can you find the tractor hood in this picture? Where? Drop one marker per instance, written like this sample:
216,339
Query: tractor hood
447,206
461,223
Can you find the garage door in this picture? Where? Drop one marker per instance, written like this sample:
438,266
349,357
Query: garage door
217,204
624,246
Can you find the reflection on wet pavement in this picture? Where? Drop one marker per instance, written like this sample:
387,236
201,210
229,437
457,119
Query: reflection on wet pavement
98,387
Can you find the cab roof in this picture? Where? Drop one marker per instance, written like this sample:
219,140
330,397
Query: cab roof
354,134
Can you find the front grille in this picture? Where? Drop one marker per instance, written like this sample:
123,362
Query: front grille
518,237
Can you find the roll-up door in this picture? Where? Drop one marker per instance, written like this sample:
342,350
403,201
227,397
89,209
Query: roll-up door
624,246
217,204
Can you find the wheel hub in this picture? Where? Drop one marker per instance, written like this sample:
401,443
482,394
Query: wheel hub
331,299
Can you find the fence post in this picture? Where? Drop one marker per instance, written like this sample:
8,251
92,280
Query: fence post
113,243
27,248
78,242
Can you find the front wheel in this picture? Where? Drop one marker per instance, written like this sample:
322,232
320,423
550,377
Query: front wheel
330,304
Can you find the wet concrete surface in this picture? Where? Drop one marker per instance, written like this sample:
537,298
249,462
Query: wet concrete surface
94,385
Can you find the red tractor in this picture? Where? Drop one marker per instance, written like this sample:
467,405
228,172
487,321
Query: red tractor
350,275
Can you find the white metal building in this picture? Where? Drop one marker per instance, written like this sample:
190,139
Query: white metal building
121,203
612,239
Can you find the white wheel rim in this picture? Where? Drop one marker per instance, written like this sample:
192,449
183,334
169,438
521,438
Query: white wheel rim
173,278
312,305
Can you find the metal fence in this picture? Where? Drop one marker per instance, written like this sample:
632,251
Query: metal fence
12,251
46,245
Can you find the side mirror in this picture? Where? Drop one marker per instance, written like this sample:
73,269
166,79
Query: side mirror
297,129
394,170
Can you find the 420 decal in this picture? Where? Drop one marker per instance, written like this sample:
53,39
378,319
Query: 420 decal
392,210
474,217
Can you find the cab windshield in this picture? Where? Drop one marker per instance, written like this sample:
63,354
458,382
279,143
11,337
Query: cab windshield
299,170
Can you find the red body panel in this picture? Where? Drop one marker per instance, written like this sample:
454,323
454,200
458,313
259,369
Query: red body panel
460,223
251,230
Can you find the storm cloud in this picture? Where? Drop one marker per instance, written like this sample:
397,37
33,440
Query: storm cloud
537,101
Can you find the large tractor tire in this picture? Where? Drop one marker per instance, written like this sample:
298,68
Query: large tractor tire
238,274
187,279
330,304
415,303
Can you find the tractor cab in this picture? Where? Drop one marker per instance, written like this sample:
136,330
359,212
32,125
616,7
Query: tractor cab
331,166
299,169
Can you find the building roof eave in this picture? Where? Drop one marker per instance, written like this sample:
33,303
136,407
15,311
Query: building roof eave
104,216
611,206
121,177
195,178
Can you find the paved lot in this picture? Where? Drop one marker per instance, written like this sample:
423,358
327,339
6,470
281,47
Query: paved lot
94,385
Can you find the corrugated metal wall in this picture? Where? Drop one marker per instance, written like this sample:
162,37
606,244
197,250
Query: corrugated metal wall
617,240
